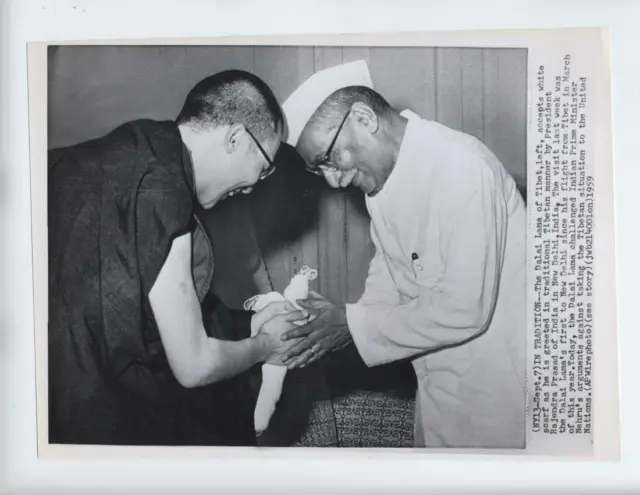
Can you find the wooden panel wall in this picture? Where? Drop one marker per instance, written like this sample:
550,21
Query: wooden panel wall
478,91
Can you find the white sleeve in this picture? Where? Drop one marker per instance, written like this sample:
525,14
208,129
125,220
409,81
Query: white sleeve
379,286
463,234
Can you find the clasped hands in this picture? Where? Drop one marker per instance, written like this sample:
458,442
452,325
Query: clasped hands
294,345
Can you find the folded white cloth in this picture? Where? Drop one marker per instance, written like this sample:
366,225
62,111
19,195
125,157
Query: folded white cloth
273,375
306,99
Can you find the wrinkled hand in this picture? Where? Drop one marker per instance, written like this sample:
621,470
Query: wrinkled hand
327,332
271,323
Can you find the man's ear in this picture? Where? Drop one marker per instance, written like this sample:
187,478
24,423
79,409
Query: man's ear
365,116
233,138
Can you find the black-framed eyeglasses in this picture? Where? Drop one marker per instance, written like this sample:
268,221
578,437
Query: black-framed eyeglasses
325,164
271,166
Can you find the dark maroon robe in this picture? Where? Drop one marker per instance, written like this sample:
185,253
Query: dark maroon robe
115,206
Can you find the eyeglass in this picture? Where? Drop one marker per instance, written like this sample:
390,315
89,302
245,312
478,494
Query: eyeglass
271,168
325,164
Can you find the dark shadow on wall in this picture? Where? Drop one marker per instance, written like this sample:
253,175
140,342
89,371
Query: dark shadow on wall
523,191
245,228
285,206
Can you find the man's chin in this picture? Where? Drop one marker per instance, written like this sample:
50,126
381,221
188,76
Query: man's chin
210,204
207,205
370,191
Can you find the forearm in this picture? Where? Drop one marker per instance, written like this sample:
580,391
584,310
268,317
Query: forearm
218,360
195,358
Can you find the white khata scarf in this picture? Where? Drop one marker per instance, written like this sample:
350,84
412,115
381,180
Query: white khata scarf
273,375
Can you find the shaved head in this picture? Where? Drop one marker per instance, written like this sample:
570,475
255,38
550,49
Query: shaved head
233,97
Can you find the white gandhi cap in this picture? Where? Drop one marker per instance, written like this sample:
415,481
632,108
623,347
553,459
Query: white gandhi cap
305,100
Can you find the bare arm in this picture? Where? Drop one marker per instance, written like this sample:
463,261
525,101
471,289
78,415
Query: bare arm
194,358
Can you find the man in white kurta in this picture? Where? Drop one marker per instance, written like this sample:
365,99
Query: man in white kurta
446,287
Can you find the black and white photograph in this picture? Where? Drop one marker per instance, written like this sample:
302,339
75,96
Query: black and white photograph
287,246
335,239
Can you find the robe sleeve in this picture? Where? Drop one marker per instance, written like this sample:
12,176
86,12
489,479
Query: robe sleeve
164,211
140,232
466,219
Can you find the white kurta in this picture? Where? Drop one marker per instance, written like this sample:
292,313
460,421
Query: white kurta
458,311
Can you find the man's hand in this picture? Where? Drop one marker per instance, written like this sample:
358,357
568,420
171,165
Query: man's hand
270,323
276,308
327,332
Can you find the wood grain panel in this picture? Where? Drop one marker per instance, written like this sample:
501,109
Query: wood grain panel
449,87
405,77
274,65
512,79
357,240
332,258
472,92
120,83
491,100
302,250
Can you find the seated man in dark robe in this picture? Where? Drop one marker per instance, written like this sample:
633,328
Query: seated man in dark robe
140,351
